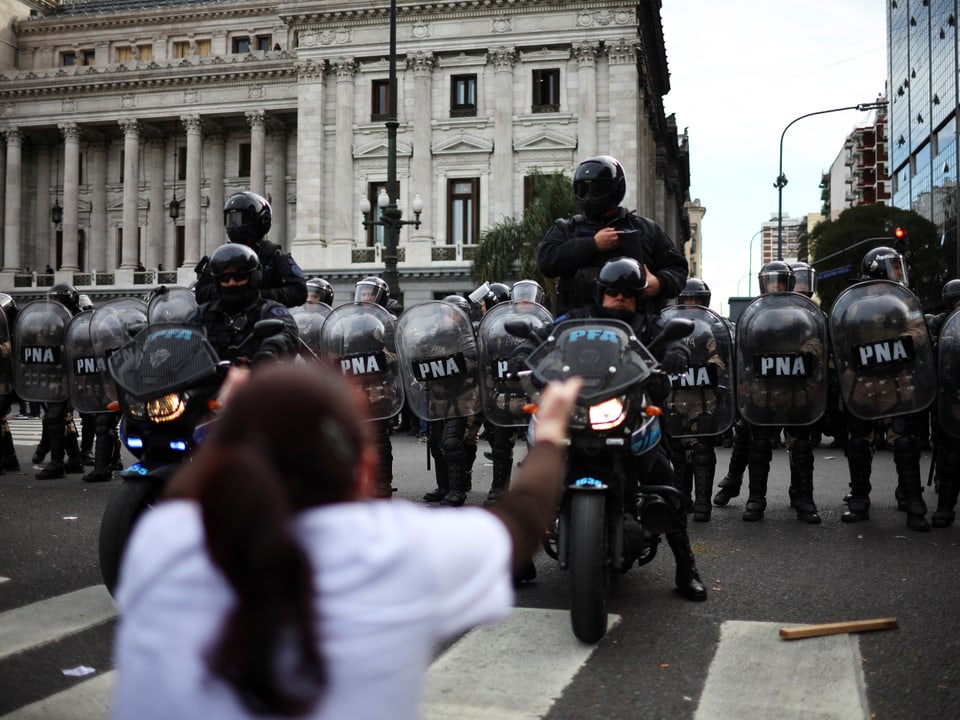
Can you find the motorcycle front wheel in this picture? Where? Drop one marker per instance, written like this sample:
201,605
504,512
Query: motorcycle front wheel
588,566
128,502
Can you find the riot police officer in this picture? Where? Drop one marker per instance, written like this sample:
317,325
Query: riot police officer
574,249
247,218
229,319
8,453
882,263
946,449
619,293
59,433
319,290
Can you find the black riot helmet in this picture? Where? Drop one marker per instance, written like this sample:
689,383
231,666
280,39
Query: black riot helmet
66,295
461,302
527,290
498,293
950,294
599,185
235,262
695,292
373,290
806,283
247,217
319,291
884,263
624,274
776,276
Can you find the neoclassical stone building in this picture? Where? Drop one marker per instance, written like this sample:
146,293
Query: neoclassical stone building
126,123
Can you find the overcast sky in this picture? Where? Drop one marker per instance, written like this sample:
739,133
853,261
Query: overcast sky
739,73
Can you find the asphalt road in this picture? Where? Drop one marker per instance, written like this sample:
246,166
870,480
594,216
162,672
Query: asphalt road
663,658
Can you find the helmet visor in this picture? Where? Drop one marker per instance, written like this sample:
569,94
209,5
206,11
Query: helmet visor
592,189
239,217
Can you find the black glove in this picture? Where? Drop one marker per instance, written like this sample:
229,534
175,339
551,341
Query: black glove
270,350
676,359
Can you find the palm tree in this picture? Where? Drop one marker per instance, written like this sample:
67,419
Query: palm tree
507,250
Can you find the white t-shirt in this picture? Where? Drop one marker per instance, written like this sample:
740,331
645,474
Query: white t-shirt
395,579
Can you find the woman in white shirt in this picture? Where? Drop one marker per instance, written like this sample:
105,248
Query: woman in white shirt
272,584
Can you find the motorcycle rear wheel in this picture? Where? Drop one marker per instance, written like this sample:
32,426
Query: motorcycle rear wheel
588,566
128,502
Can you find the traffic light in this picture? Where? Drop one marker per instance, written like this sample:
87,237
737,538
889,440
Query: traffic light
900,238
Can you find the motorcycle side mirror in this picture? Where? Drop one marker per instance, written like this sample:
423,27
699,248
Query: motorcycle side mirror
265,328
677,328
519,328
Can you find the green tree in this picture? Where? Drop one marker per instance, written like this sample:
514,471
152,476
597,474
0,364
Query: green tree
507,250
841,243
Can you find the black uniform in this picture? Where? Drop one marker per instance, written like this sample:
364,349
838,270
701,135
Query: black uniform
283,280
228,330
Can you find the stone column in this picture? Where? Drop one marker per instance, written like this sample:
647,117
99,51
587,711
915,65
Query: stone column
277,138
129,246
258,151
70,242
626,121
503,59
42,221
157,214
3,185
98,243
214,143
586,55
191,244
308,245
346,199
421,171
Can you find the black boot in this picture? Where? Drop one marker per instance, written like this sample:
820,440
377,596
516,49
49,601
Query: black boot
71,446
501,480
470,456
801,481
906,456
104,443
434,440
704,467
8,452
947,487
687,578
759,469
729,487
859,459
456,495
53,469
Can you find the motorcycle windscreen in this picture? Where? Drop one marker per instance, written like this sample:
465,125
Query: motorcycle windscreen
309,318
781,355
438,359
6,355
171,304
882,351
701,401
86,370
360,340
163,359
40,372
948,367
502,398
605,353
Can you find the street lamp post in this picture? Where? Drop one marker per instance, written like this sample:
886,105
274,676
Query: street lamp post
781,181
750,264
390,214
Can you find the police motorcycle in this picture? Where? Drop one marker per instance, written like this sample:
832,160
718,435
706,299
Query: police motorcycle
607,518
167,379
359,339
702,402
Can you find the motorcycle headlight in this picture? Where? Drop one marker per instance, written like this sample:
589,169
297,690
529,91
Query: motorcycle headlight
160,410
607,415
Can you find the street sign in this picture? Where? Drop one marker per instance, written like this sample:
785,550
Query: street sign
833,272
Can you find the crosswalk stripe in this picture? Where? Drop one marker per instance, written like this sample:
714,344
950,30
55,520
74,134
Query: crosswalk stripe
89,699
755,674
511,671
57,617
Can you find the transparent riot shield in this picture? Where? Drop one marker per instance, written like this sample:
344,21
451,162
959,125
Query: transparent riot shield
948,369
882,351
309,318
6,355
438,357
781,356
85,369
502,398
171,304
40,373
702,401
360,339
113,325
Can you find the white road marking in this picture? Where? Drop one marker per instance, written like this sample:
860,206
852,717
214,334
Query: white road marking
89,700
512,671
755,674
49,620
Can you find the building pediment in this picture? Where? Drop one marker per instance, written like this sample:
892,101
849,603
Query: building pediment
545,140
379,150
462,144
